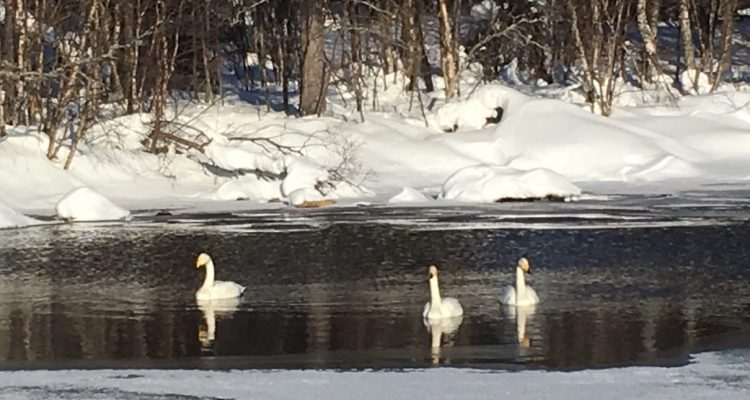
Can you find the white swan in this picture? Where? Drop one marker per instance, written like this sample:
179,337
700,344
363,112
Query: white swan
520,295
212,309
211,289
439,307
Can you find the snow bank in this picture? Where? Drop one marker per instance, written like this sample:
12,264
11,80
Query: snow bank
699,139
409,195
486,183
544,133
234,158
723,376
10,218
84,204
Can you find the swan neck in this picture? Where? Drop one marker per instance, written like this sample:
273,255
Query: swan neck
435,299
520,284
209,281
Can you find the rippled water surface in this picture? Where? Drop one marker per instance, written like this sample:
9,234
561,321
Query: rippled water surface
346,288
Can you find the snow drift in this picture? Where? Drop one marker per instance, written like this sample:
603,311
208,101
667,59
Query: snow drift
10,218
485,183
84,204
409,195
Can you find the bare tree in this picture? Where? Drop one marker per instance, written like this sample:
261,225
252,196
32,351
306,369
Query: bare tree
314,75
413,54
686,39
448,22
648,24
724,56
599,47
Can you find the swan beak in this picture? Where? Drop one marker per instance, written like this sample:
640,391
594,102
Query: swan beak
528,270
198,264
432,272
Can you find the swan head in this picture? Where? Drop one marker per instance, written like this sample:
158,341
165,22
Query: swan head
202,260
523,263
432,272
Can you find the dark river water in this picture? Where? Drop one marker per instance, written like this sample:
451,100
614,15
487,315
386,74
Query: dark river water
345,289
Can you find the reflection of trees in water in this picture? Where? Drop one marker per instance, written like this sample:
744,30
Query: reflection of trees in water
56,330
622,333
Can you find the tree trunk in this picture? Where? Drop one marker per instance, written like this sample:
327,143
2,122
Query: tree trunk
686,37
448,56
314,76
356,56
6,57
2,113
647,25
21,25
727,30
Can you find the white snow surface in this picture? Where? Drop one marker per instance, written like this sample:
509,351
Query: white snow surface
10,218
695,142
84,204
487,183
233,158
711,375
409,195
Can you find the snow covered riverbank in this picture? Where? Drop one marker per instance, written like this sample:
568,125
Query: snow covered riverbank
270,159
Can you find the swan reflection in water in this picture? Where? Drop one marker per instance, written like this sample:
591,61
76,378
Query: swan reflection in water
438,328
522,315
211,310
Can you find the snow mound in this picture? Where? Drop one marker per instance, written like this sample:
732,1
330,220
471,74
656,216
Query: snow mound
250,188
84,204
409,195
233,158
10,218
486,183
302,174
473,112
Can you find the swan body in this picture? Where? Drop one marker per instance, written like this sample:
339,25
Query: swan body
213,289
439,307
521,294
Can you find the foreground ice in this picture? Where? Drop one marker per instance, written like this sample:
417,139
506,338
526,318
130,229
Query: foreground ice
723,375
